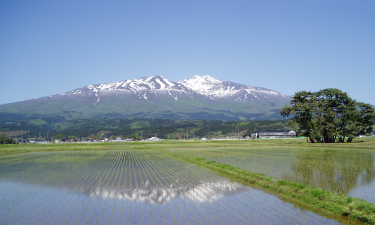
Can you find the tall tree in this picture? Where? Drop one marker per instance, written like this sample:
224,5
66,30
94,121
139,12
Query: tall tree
328,115
302,107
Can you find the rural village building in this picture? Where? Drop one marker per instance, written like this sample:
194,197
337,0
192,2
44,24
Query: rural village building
273,134
154,139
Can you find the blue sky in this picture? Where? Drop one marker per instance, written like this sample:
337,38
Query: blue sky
51,47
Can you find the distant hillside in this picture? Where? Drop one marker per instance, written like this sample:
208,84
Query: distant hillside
201,97
49,125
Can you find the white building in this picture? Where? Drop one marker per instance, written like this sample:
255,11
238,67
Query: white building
273,134
154,139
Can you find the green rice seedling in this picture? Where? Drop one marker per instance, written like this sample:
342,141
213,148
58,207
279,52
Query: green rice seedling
133,162
112,183
104,174
162,167
120,169
149,168
124,183
175,204
75,212
91,173
192,196
21,210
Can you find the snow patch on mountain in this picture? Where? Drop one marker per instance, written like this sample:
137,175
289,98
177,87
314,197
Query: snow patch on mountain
201,84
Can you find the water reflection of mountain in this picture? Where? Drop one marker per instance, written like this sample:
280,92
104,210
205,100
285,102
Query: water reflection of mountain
203,192
146,177
149,191
334,170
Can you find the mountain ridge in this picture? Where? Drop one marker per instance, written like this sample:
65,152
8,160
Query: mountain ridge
199,97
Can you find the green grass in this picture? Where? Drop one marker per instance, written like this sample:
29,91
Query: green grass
359,143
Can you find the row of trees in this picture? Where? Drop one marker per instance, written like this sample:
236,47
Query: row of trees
329,115
6,140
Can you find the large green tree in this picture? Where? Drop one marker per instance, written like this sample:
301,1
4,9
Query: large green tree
329,115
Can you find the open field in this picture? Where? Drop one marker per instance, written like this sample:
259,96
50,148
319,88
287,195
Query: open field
359,143
146,182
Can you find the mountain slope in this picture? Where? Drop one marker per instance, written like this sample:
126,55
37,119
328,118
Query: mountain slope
201,97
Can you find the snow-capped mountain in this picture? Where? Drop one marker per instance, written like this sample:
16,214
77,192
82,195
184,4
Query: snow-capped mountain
200,97
216,89
137,86
143,88
205,86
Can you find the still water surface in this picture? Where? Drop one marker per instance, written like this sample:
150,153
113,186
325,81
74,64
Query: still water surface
131,187
349,171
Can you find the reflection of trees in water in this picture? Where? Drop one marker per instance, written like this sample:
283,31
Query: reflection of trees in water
334,170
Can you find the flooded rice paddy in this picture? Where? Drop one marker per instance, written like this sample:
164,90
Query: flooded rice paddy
348,171
131,187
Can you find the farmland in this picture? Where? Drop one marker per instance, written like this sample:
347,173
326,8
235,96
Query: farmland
135,187
342,171
144,183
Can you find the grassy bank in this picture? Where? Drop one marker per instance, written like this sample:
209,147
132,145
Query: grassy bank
328,202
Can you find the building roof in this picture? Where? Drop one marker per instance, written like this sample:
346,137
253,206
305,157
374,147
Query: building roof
274,131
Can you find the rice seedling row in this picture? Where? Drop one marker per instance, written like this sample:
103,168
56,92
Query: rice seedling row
157,175
167,178
64,207
111,182
120,169
78,197
177,184
174,201
145,187
105,173
149,182
136,191
87,177
36,195
73,178
192,180
124,168
153,165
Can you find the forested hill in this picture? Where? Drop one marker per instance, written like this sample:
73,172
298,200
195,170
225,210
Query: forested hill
99,127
